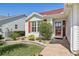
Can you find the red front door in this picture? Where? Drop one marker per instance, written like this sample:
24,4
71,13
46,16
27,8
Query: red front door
58,29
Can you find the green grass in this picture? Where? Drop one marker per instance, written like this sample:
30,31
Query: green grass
24,50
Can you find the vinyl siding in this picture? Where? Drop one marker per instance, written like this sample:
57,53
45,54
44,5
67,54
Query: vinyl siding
11,26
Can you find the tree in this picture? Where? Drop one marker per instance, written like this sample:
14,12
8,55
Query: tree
45,29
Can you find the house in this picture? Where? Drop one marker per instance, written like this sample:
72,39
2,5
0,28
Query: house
65,23
71,13
10,24
3,17
34,19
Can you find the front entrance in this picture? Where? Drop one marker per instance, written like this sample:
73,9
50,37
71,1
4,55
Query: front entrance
58,28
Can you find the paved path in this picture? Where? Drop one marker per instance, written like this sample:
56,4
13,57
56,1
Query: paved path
57,48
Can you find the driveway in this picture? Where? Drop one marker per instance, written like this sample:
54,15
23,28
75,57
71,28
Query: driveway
58,47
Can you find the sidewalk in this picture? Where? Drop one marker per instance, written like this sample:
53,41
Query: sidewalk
57,48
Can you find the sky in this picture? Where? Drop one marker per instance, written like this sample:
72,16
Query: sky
27,8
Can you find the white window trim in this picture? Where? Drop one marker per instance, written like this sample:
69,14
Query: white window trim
36,26
33,26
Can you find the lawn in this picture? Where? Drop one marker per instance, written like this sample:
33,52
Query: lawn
22,50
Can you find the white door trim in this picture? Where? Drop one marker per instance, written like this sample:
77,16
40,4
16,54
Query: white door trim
61,36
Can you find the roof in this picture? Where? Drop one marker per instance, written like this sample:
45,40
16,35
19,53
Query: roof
34,14
11,19
57,11
41,14
3,17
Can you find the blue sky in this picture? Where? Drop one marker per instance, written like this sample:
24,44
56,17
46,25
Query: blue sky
27,8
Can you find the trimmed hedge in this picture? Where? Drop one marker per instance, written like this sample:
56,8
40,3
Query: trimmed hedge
8,48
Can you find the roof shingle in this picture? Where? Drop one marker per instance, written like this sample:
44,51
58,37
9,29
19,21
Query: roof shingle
11,19
52,12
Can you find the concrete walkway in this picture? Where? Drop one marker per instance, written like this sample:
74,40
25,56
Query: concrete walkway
58,47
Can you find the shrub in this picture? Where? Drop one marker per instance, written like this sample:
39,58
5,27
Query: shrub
1,42
21,33
45,29
31,37
39,39
14,35
1,37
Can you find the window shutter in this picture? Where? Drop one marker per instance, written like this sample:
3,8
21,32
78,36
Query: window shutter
29,26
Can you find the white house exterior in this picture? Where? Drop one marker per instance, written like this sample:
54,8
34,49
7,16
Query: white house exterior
72,26
67,20
15,23
34,19
34,16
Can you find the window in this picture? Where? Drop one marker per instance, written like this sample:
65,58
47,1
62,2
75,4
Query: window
16,26
58,28
33,26
58,24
